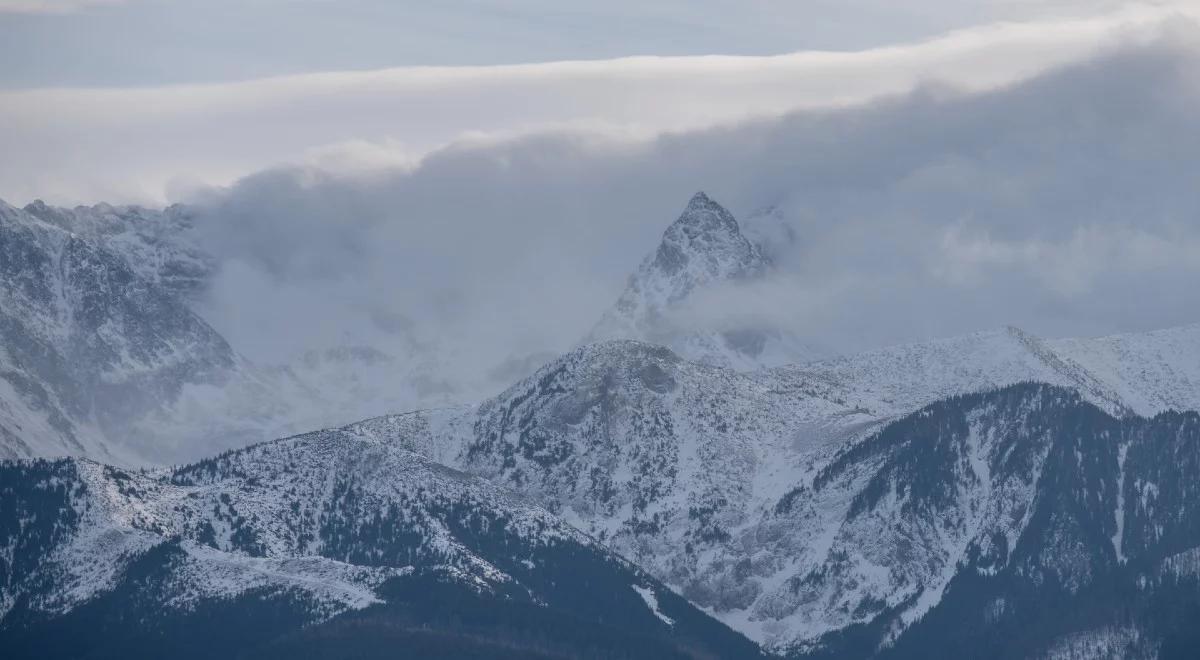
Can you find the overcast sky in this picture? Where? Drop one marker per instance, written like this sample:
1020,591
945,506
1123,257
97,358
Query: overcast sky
150,141
1037,165
151,42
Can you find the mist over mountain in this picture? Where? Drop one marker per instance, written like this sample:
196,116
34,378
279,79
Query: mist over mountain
822,355
703,250
1058,204
943,212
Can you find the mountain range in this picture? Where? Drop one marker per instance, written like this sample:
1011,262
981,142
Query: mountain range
665,488
327,538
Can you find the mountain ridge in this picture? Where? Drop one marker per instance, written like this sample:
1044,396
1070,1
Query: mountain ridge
317,524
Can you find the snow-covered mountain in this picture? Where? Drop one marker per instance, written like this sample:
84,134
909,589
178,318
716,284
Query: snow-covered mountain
1143,373
331,531
704,249
1011,523
682,467
899,502
945,530
1158,370
87,343
159,245
103,356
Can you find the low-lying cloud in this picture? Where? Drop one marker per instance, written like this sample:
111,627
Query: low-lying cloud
1054,184
1067,204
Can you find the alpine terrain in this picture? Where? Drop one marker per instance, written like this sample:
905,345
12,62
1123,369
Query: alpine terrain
105,356
664,489
324,545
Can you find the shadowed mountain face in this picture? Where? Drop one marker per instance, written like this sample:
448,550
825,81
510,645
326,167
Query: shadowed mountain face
1023,522
323,538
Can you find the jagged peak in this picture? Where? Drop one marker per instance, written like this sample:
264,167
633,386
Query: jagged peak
704,218
36,205
703,247
30,216
702,202
704,244
52,215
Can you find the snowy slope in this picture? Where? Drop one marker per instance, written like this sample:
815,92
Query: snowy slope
326,519
1142,373
899,379
1154,371
981,513
685,468
320,389
87,342
158,244
102,356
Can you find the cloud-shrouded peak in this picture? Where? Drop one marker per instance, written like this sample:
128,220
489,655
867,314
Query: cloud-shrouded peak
703,211
705,245
703,251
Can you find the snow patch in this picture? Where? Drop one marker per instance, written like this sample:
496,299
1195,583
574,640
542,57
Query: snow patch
651,600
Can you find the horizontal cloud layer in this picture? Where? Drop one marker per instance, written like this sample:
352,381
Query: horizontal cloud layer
80,145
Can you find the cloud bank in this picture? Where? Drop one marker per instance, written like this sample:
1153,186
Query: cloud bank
148,144
1046,176
1066,204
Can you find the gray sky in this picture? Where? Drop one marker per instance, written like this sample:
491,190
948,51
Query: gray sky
150,143
153,42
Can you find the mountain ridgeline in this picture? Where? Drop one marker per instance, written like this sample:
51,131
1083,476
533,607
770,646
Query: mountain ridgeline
666,489
1019,522
326,544
785,504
